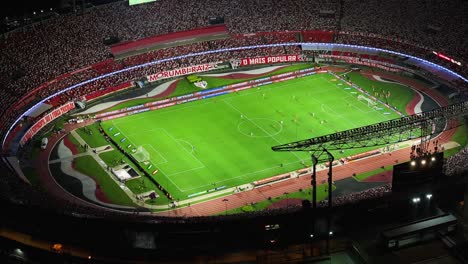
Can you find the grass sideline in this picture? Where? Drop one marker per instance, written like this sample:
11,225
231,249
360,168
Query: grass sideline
94,139
137,185
184,87
76,143
186,141
87,165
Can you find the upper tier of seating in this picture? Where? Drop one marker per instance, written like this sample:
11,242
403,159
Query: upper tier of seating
41,52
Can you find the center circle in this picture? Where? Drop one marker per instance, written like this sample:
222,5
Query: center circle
259,127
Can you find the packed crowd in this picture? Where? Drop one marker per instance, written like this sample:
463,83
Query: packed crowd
41,52
351,198
456,164
430,24
145,71
69,42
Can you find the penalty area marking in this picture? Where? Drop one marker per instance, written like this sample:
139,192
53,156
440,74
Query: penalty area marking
322,106
188,143
167,175
157,152
352,101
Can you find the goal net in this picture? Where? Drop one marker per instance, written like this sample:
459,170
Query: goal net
141,154
369,101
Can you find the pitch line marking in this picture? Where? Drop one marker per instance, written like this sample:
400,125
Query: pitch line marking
331,110
351,100
167,175
173,109
178,143
159,168
143,131
335,85
167,133
185,106
179,172
247,118
188,143
281,128
193,105
245,174
151,145
283,84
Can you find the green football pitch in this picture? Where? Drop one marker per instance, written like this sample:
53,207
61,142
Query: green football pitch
227,140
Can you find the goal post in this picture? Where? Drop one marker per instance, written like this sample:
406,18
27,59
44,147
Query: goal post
141,154
369,101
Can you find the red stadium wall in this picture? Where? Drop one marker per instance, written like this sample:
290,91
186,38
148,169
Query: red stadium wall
317,36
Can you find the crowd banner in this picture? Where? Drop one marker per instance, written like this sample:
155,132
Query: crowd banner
366,62
46,120
271,59
182,71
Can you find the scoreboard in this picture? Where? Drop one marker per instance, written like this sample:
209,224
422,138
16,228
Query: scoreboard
137,2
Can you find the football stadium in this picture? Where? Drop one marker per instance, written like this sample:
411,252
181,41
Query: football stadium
311,132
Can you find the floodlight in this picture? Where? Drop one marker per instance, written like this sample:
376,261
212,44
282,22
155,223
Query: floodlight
19,252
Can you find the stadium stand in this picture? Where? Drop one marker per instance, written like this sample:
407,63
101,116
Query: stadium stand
41,59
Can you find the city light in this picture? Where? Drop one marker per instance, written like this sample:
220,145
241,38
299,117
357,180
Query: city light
413,163
423,162
433,159
445,57
429,196
311,235
330,233
416,200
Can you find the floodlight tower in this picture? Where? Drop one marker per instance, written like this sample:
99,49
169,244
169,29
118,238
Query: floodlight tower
423,126
313,182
